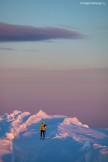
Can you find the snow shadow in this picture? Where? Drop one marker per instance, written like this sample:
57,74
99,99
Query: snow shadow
7,158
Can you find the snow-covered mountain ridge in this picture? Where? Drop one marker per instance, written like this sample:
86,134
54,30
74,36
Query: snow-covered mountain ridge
19,132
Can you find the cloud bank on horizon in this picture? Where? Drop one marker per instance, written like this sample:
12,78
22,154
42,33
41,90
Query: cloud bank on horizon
10,32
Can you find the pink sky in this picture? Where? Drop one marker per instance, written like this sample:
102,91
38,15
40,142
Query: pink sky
81,93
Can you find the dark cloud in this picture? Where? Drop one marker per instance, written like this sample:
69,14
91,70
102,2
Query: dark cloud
7,49
14,49
9,32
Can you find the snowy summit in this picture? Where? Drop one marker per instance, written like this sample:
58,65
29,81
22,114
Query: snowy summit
66,139
42,114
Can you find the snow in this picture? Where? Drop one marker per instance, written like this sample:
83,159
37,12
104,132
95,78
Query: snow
72,127
67,139
104,151
5,150
69,121
13,115
42,114
17,126
1,119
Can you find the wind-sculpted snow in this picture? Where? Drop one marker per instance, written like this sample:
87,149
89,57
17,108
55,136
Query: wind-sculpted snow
75,121
19,125
71,127
67,139
5,149
13,115
10,117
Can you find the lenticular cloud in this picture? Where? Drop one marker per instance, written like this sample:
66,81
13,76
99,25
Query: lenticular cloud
9,32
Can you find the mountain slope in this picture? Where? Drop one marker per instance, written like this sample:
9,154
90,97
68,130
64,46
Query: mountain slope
67,139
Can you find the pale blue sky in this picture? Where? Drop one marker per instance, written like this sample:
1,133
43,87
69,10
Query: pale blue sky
91,21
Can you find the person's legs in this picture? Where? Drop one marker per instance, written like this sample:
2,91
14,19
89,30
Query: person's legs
40,134
43,135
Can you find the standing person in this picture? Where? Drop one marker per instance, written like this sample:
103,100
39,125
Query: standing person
42,130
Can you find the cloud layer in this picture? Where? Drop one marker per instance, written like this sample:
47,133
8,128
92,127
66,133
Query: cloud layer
9,32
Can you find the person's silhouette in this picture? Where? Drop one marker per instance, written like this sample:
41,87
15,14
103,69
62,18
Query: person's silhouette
42,130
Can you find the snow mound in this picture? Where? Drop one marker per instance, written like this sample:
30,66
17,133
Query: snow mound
4,117
18,125
75,121
96,145
13,115
67,139
5,146
42,114
19,119
72,127
104,151
1,119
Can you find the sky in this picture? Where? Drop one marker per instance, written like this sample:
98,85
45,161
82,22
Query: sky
53,56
